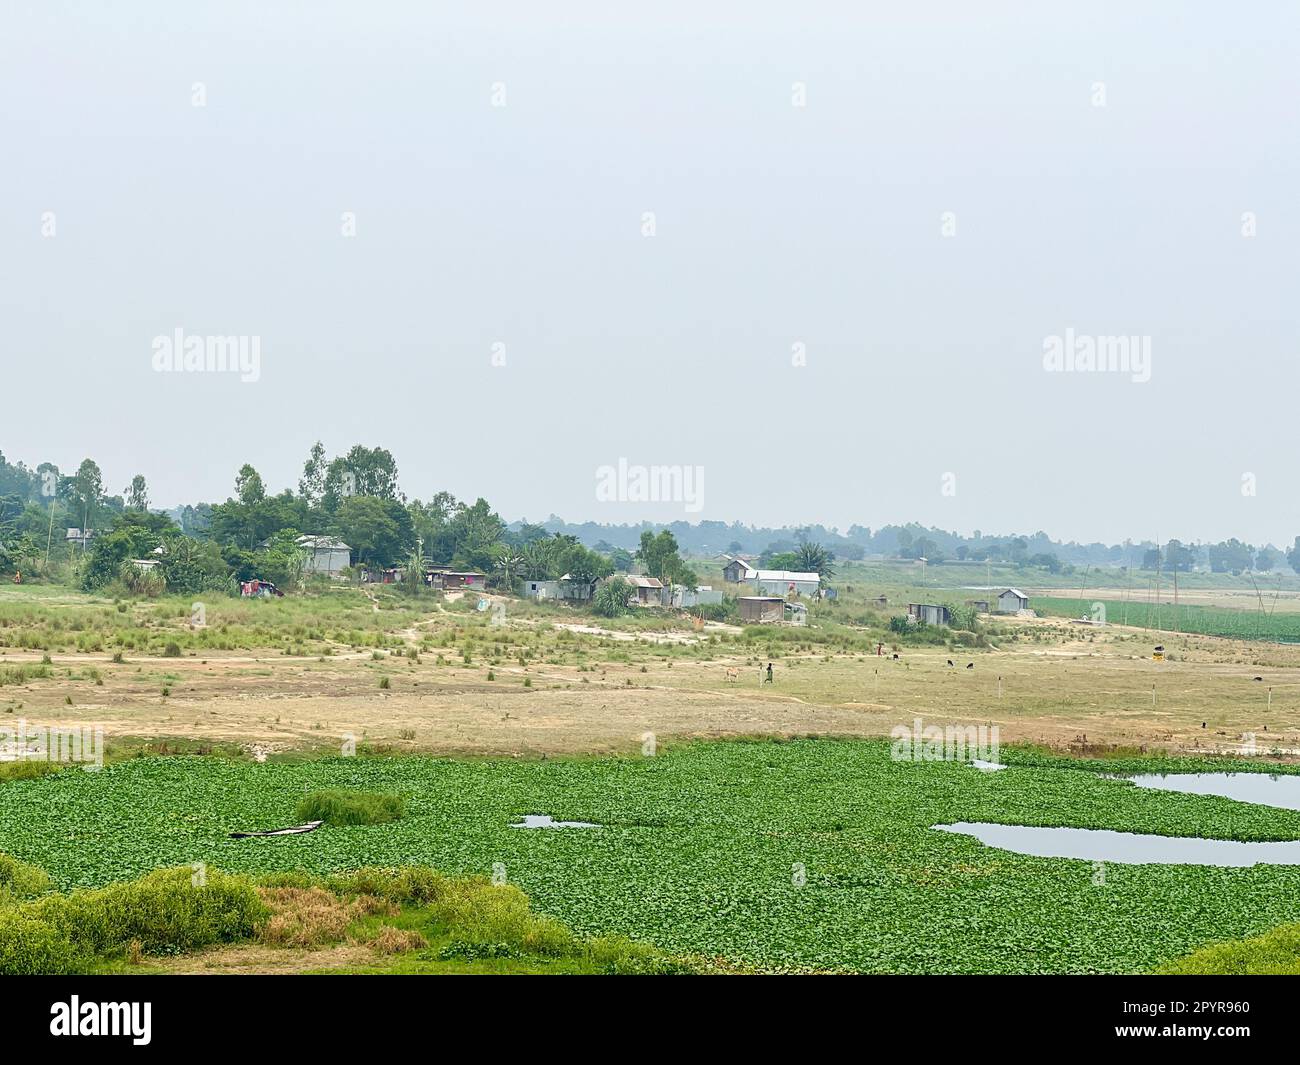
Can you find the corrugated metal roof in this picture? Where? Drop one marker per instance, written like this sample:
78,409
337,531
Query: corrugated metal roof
323,543
786,575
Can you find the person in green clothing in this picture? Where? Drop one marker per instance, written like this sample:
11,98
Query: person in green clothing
768,678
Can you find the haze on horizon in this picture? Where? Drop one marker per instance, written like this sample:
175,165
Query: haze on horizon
948,197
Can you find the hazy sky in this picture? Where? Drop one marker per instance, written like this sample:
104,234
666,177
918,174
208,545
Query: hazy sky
1097,161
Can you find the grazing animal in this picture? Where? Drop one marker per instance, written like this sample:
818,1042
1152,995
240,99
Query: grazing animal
950,662
1259,678
970,665
731,674
895,656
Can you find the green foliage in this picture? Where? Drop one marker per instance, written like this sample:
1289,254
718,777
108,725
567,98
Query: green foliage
814,558
378,530
612,598
20,880
166,911
134,534
715,828
1276,953
30,947
145,581
339,807
659,554
1201,620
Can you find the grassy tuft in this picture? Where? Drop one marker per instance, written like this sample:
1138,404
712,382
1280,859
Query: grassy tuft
338,807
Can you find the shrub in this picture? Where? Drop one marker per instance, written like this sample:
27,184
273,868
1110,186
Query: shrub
409,883
172,650
612,597
481,912
19,880
30,947
165,910
338,807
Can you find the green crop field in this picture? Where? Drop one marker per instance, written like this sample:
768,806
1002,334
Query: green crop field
1276,626
699,849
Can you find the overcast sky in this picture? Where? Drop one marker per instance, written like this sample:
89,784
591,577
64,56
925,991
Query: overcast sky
921,195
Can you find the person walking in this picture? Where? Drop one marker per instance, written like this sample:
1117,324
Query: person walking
768,678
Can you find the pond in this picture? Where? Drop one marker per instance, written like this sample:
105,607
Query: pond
1105,845
1266,789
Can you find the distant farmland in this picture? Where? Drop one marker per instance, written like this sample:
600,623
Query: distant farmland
1278,627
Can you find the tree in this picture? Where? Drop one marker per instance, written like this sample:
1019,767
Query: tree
813,558
86,491
1231,556
1179,557
660,557
134,535
137,493
248,486
475,533
536,561
190,567
1268,558
508,563
378,530
363,471
1293,556
311,486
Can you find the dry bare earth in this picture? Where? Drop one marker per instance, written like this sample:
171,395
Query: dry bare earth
1052,692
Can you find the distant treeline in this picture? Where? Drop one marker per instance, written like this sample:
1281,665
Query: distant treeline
356,497
938,545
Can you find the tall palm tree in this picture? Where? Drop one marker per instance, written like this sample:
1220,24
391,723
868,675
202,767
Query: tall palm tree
813,558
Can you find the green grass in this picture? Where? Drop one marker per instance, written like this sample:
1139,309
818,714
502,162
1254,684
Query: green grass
698,845
339,807
1279,627
419,920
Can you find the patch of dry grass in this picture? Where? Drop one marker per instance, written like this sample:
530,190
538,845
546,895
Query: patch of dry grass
312,916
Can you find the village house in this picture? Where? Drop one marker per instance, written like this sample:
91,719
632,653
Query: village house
646,591
448,579
737,570
1012,600
785,582
79,536
566,589
929,613
325,554
761,609
683,597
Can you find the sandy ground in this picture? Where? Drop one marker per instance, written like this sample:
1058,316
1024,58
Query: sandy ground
1067,688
